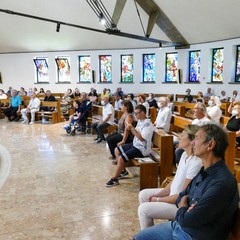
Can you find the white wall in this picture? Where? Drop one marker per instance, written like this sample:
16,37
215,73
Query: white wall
19,70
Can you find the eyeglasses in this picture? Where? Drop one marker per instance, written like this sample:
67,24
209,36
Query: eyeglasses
136,113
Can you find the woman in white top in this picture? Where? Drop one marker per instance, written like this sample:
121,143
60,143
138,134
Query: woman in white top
214,112
160,203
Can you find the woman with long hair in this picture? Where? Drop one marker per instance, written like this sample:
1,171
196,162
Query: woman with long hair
122,135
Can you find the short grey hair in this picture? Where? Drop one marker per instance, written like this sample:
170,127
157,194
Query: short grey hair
201,106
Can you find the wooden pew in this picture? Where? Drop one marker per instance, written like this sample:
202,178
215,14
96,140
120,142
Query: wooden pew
55,115
4,103
181,122
188,107
180,97
224,107
163,146
161,165
153,114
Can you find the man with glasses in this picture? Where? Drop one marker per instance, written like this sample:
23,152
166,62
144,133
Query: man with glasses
141,146
208,205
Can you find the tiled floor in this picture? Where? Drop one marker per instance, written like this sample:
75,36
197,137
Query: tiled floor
55,188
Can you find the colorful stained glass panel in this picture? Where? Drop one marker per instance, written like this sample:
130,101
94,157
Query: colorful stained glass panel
42,71
127,68
149,68
194,66
171,74
237,78
63,69
84,69
105,65
217,65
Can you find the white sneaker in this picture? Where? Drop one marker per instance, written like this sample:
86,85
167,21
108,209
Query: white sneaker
24,122
31,123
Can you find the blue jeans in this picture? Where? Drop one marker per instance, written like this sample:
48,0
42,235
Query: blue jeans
166,231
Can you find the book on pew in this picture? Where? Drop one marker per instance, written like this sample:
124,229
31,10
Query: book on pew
155,155
145,159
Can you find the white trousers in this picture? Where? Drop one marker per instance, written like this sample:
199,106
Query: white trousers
148,211
24,114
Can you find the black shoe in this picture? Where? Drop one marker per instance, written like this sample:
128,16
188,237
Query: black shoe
17,119
100,140
112,182
123,174
97,138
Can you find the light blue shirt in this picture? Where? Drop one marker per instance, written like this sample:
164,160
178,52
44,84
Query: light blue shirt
16,101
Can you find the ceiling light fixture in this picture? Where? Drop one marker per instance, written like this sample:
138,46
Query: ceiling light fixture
103,15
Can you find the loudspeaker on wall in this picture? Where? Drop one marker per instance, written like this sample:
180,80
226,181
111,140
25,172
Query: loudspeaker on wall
180,75
93,76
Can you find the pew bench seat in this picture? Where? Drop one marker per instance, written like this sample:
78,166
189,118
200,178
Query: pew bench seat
53,116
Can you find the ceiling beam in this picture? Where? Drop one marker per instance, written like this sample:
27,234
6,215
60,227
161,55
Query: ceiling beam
162,21
119,6
151,22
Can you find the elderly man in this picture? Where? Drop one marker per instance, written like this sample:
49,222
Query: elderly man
199,111
107,120
140,147
32,108
48,98
206,208
164,115
14,107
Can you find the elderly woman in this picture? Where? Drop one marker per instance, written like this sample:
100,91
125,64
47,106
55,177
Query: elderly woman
234,122
65,104
158,203
214,112
123,135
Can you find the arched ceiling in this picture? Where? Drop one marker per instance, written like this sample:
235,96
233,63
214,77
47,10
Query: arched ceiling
197,21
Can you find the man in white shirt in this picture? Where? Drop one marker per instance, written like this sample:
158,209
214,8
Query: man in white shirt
141,146
164,115
32,107
107,120
199,111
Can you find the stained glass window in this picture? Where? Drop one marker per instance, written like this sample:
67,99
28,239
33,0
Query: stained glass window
237,78
42,75
149,68
63,69
105,66
171,74
217,65
194,66
84,69
127,68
